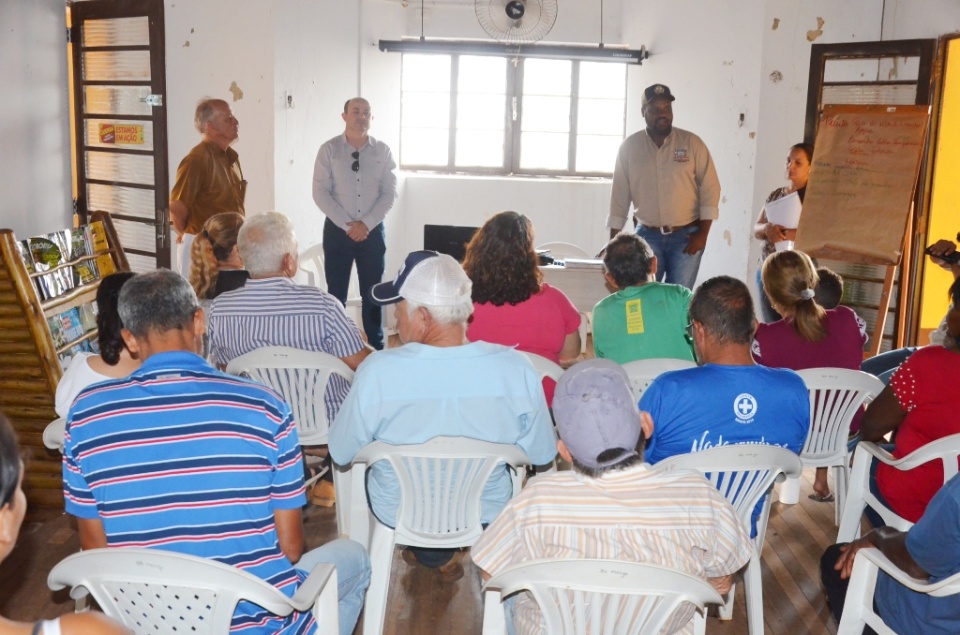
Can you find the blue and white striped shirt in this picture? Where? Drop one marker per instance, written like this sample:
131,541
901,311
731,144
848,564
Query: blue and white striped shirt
180,457
278,312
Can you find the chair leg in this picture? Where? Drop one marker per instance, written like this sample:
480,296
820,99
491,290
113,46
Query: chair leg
859,599
725,611
381,560
840,487
753,594
494,621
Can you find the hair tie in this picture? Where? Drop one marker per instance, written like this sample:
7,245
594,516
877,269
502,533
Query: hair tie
807,294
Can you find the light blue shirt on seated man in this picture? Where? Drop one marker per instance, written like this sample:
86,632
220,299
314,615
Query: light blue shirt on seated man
414,393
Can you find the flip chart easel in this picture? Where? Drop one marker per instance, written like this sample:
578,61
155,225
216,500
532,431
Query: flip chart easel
862,182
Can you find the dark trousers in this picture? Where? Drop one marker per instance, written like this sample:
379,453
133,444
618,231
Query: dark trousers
339,253
835,588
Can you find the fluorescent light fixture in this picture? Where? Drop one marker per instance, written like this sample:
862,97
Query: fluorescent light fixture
582,52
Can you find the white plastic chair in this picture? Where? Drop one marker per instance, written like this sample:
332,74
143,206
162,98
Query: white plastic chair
858,606
642,372
946,450
311,264
600,597
544,367
836,395
744,474
53,434
441,482
165,592
301,378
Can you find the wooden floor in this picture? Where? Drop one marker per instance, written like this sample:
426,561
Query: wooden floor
419,604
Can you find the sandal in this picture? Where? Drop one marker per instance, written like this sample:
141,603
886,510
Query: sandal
821,498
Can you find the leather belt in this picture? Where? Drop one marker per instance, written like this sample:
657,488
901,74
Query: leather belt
666,229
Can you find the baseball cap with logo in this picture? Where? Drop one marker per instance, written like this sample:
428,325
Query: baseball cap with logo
595,411
426,277
656,91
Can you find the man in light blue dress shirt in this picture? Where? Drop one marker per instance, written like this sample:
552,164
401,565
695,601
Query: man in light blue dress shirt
354,185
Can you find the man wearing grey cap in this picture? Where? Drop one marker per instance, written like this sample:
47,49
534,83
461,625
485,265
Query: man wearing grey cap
612,505
669,177
438,384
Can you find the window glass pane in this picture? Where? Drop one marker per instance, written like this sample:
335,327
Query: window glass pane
596,153
116,100
426,73
423,146
141,264
121,200
481,112
113,166
546,77
482,75
117,32
425,110
479,148
603,79
546,114
600,116
543,150
116,65
134,235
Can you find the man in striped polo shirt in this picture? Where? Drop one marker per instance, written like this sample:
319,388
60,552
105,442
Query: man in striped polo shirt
612,505
181,457
272,310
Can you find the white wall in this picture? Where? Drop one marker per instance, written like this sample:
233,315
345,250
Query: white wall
35,189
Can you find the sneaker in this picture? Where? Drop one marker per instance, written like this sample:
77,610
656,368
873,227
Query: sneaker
322,494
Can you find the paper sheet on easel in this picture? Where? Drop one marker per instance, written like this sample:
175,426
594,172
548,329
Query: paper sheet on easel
785,211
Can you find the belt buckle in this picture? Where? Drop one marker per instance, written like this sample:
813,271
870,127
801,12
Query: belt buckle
666,230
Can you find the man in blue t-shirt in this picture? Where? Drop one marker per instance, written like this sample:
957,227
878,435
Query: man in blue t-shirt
929,550
728,399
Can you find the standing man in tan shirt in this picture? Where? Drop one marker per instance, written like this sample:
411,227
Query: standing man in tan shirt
209,179
668,175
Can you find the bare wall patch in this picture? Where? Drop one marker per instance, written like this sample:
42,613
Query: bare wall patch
813,35
776,77
776,24
235,90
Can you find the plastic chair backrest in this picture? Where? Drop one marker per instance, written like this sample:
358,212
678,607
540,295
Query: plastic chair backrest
544,367
301,378
642,372
441,483
743,473
562,250
311,264
156,591
946,450
53,434
602,596
836,395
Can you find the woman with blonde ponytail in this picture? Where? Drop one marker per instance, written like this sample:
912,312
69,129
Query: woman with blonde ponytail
215,263
808,336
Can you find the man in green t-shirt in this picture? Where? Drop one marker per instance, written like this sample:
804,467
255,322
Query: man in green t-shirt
644,319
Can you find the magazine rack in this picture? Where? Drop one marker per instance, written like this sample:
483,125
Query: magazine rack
29,358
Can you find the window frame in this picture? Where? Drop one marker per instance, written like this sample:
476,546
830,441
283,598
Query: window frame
514,101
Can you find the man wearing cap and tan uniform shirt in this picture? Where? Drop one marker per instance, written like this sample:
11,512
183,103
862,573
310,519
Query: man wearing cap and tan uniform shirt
209,179
669,177
612,505
438,384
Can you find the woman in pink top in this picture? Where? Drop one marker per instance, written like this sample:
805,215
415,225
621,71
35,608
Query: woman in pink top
512,305
808,336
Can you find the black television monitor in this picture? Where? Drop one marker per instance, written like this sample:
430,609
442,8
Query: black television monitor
448,239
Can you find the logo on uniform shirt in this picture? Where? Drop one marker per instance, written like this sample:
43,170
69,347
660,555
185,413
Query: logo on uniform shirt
745,408
680,155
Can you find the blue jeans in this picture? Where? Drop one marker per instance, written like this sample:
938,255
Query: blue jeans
884,365
673,265
339,253
353,576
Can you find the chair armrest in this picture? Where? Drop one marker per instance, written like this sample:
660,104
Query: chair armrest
947,586
306,595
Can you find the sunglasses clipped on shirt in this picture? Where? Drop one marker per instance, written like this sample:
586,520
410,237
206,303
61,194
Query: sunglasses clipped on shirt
356,161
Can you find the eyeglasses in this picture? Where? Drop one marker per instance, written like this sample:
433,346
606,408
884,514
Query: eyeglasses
356,161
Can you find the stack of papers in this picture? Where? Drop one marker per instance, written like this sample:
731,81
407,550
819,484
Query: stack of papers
583,263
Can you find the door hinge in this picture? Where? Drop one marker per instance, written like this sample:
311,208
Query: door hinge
153,100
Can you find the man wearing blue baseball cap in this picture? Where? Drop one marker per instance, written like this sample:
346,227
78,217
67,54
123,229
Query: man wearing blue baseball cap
438,384
612,505
668,176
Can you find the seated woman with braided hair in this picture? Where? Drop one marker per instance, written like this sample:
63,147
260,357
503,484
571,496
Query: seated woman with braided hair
13,506
215,262
114,360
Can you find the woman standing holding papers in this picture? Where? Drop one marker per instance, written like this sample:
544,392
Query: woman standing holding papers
798,171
